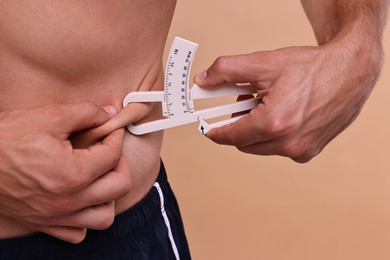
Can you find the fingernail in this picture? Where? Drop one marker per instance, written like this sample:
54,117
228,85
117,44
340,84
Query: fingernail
110,110
201,76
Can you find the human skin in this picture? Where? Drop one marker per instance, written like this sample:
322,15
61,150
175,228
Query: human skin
47,184
63,52
65,66
309,94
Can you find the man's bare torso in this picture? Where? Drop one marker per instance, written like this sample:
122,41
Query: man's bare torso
64,51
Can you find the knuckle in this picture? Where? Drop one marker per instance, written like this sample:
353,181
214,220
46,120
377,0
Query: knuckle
117,156
302,159
79,237
292,151
89,106
298,150
55,112
122,179
106,219
71,180
243,149
221,63
65,183
306,155
63,206
126,185
279,126
274,128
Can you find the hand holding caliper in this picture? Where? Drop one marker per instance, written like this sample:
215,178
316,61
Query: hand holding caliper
177,101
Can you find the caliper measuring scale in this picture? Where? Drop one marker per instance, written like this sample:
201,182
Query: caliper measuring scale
177,99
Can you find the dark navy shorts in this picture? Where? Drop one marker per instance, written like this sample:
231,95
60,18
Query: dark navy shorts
152,229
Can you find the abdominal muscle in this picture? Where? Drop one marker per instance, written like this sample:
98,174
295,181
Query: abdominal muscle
68,51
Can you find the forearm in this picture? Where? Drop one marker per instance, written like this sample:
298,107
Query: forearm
309,94
362,19
351,33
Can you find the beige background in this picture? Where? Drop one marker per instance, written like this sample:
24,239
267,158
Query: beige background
238,206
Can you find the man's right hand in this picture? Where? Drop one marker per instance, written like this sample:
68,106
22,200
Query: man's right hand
48,185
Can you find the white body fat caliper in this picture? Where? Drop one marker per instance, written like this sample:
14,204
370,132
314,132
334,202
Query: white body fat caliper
177,98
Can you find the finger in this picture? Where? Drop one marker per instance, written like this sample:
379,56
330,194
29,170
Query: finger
79,116
96,203
97,217
128,115
233,69
69,234
93,206
263,148
244,132
99,159
278,148
111,186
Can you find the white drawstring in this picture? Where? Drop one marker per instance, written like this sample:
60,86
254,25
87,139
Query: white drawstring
166,220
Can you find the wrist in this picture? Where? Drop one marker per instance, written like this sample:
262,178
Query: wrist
353,66
356,47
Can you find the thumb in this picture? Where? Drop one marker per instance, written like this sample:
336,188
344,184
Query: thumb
230,69
75,117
